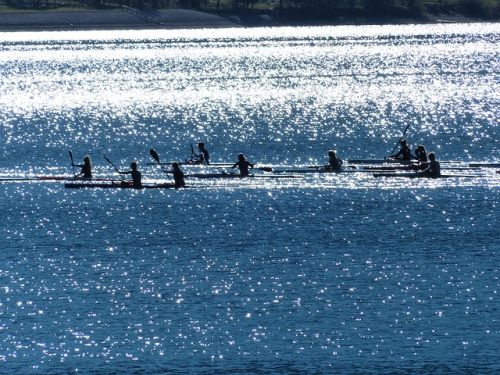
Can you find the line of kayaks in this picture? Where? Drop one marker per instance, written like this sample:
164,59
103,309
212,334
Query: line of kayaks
127,185
363,164
278,173
221,175
378,168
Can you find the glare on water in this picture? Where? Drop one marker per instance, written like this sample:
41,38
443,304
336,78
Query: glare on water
319,273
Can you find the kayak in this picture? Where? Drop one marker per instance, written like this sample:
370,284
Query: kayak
52,178
412,168
115,185
188,164
316,170
380,161
484,165
211,165
417,175
392,161
235,175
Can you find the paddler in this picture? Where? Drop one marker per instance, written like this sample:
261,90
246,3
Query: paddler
335,164
421,157
86,167
203,155
421,154
434,168
178,176
404,153
136,175
243,164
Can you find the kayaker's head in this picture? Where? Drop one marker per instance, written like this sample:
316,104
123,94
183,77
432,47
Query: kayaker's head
86,160
201,145
241,157
133,165
403,142
175,165
431,156
332,153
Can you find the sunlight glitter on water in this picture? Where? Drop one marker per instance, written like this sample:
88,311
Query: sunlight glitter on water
342,271
271,89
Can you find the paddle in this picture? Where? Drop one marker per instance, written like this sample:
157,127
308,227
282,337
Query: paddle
156,157
400,139
72,162
192,151
114,166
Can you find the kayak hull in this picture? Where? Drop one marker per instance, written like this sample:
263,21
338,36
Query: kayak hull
230,175
416,175
115,185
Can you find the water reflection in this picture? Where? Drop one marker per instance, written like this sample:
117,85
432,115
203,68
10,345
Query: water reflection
342,271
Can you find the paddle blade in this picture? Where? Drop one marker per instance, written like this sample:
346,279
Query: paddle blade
154,155
266,169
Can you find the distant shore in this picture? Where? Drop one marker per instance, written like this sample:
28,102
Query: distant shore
130,18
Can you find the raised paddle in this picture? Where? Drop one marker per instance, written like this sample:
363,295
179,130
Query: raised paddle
114,166
192,151
400,139
156,157
72,162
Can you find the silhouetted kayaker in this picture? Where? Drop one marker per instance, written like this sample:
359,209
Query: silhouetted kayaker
243,165
178,176
136,175
86,167
334,163
434,168
404,152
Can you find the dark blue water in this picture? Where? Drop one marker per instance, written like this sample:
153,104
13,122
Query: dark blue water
324,274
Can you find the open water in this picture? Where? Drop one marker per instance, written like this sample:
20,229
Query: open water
325,274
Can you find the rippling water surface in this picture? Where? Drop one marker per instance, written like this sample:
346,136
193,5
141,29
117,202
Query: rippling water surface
327,273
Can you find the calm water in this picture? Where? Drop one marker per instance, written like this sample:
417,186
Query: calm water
322,274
